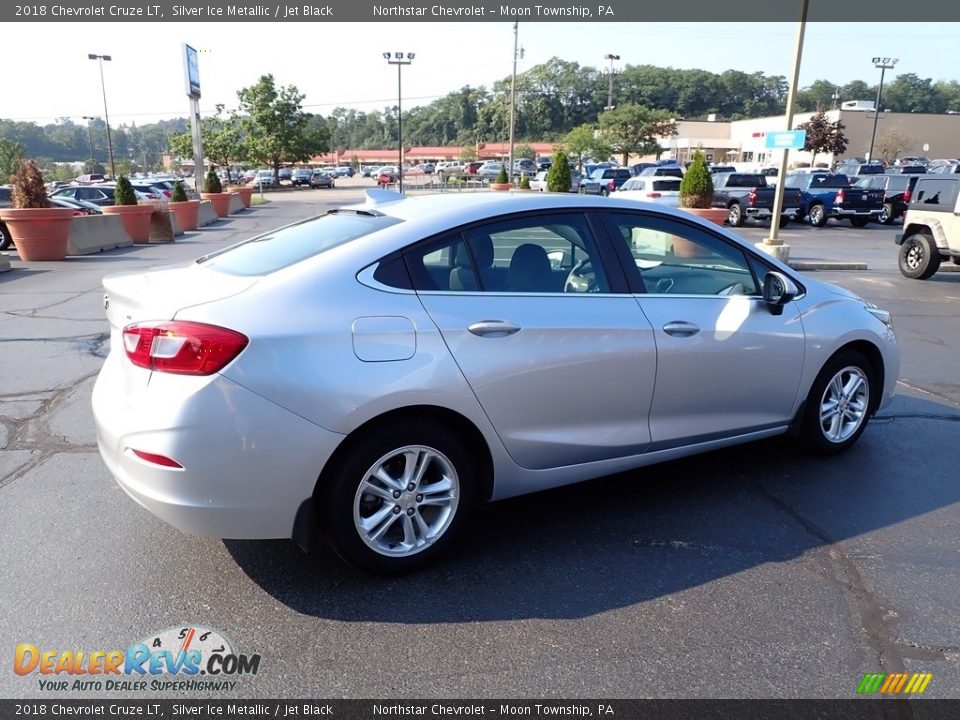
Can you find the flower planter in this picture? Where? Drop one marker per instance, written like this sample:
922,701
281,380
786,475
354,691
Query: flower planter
501,187
187,214
246,194
136,220
220,201
718,216
39,233
683,247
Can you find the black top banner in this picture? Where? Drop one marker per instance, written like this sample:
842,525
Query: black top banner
867,11
503,709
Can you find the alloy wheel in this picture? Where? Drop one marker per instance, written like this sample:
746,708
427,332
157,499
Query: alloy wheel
844,404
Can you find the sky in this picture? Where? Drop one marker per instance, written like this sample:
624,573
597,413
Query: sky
341,64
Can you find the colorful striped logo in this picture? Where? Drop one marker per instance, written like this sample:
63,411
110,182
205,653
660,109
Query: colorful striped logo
894,683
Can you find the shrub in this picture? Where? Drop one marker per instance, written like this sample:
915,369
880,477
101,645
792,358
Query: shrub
178,194
558,176
524,182
28,188
124,194
212,184
502,175
696,188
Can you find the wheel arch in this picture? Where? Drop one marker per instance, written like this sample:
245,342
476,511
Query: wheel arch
465,428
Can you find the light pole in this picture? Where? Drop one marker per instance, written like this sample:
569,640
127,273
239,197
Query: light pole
398,60
513,101
836,98
106,115
883,64
93,160
611,57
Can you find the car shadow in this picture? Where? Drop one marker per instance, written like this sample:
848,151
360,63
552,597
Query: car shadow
610,543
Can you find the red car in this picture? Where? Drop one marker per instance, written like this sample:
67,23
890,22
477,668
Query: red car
472,167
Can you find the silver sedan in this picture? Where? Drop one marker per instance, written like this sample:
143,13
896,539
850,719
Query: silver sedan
380,370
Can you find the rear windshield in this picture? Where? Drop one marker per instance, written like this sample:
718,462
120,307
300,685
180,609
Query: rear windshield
829,181
292,244
666,185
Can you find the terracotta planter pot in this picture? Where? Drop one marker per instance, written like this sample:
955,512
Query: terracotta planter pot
501,187
221,202
39,233
684,248
187,214
136,220
246,194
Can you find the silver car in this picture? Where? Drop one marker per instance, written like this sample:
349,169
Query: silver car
380,370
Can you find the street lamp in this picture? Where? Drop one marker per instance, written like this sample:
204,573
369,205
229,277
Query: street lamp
836,98
883,64
611,57
399,60
93,160
106,115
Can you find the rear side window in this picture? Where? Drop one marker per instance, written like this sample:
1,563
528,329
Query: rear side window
931,194
292,244
666,185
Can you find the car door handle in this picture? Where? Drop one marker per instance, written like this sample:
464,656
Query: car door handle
493,328
680,329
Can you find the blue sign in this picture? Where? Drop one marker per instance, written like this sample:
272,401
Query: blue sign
786,140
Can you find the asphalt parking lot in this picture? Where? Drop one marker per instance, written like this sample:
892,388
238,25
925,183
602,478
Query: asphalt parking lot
750,572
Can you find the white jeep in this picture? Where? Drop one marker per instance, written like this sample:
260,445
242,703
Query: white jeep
931,227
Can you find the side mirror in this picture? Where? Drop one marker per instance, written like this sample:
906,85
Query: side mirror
778,290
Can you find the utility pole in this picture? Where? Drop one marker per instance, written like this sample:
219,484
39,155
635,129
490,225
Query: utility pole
513,99
611,57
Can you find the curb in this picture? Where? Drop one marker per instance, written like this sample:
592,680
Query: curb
813,264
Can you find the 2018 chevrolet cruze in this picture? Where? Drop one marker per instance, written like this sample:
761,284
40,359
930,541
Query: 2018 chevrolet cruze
379,370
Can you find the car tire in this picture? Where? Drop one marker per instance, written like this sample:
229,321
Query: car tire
859,222
386,452
734,215
817,216
839,404
955,260
604,192
5,240
886,216
919,257
784,220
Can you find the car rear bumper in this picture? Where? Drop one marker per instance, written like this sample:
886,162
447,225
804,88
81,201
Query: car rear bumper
767,213
248,464
855,212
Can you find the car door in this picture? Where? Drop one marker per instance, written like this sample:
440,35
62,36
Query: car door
546,333
726,365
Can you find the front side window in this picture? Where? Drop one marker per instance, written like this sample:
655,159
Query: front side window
679,259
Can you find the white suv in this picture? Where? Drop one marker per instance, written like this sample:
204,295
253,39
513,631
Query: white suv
931,227
445,169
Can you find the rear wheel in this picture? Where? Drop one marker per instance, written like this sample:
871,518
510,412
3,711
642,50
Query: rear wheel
784,220
838,405
5,240
859,221
734,216
817,216
886,215
919,257
399,497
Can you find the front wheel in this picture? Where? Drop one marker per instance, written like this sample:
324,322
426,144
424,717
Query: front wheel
886,215
838,405
399,498
919,257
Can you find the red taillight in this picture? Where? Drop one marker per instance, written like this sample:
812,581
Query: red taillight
840,196
653,195
167,193
162,460
185,348
906,195
752,198
611,185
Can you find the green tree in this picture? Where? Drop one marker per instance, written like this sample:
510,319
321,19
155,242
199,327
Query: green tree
124,194
823,136
558,176
584,141
524,151
276,125
11,155
635,129
467,153
696,188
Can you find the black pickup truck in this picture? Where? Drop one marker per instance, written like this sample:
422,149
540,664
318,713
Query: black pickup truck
747,195
829,195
